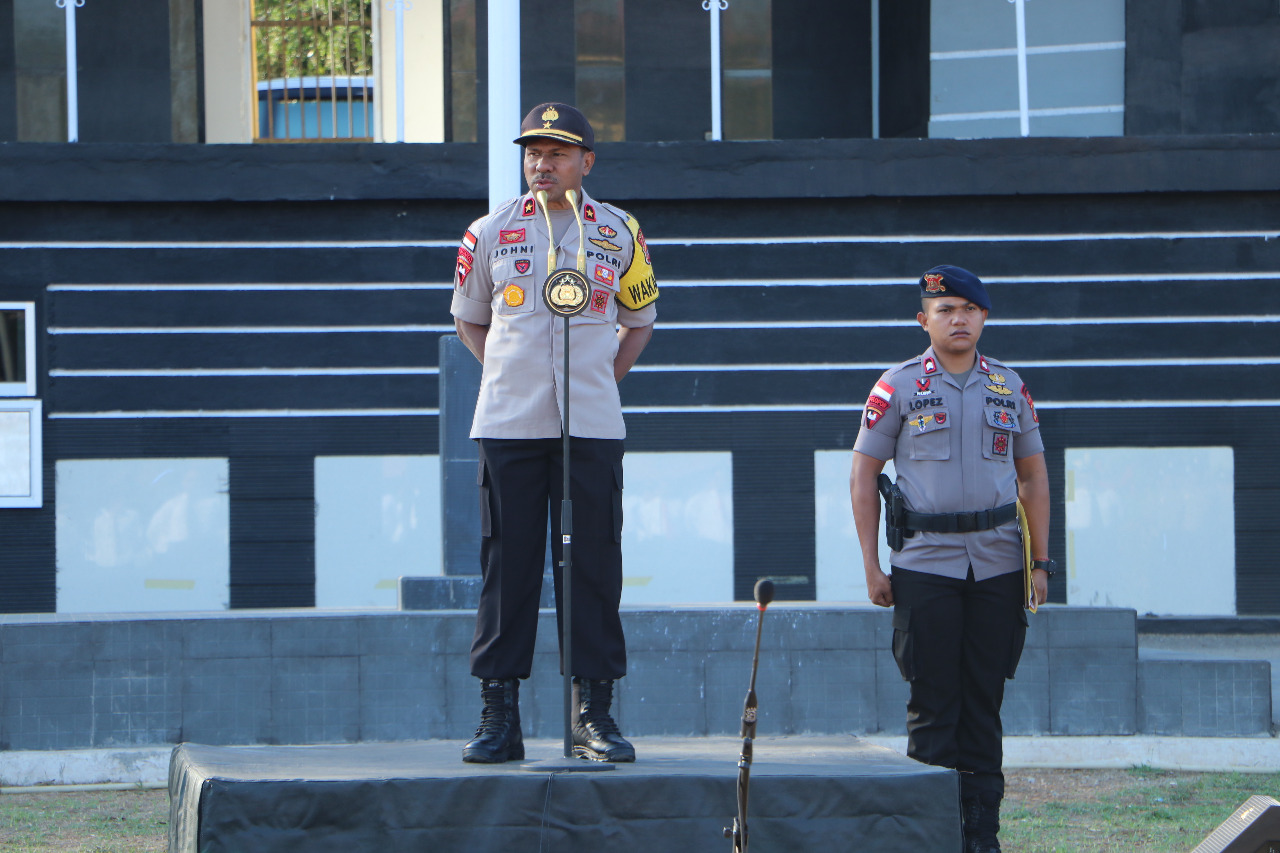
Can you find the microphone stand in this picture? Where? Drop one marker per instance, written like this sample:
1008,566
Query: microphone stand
738,832
565,293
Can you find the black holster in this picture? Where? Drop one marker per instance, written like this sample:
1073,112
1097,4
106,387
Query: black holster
895,512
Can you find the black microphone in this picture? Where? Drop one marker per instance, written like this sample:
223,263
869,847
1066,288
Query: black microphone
764,592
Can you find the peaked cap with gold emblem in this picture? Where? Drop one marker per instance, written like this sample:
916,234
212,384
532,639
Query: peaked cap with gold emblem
557,121
946,280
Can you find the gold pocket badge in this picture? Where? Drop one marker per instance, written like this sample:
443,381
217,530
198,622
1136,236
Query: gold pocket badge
513,295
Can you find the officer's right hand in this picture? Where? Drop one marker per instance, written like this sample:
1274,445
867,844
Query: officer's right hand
879,588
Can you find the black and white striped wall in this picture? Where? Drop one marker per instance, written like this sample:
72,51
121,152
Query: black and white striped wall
263,327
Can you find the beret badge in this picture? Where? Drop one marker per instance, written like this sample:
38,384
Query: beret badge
933,283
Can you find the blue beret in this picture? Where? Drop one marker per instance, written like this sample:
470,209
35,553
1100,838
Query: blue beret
946,280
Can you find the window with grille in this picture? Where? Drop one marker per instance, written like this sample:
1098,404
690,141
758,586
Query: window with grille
313,69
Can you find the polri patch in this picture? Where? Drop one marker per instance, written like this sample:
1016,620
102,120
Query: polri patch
1001,419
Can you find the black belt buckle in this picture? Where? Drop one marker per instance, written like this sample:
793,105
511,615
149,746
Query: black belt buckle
966,522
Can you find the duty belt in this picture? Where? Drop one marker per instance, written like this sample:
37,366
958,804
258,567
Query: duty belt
961,522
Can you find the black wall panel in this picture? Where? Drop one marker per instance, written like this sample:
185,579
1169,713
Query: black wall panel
1201,67
8,78
668,71
123,59
905,42
548,54
813,100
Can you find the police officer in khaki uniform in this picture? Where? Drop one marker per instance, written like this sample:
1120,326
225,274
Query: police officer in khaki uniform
964,436
500,315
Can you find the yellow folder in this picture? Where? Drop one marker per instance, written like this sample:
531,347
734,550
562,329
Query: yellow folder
1028,588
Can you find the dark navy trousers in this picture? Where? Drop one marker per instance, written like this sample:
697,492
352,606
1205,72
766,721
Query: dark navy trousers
956,641
521,488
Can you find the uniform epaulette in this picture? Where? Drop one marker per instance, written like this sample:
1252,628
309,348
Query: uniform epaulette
614,209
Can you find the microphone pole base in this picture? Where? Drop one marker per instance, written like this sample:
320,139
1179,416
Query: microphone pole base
566,765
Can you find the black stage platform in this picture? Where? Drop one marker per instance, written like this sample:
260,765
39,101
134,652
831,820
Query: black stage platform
807,794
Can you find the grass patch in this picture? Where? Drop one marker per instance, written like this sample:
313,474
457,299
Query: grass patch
85,822
1141,810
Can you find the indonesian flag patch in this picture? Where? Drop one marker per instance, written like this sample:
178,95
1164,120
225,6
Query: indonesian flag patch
878,402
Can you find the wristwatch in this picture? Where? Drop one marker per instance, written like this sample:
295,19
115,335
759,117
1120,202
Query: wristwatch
1049,567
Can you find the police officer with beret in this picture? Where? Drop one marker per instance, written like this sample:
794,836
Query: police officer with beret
500,315
963,432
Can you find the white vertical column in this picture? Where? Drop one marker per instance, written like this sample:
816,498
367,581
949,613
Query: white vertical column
1024,113
875,69
399,7
504,100
73,82
715,7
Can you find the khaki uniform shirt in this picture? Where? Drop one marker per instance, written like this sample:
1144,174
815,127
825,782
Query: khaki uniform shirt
502,264
953,450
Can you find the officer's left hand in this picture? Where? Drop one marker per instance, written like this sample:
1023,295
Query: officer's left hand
1040,580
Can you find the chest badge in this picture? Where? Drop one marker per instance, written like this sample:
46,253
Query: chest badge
921,421
565,292
606,245
513,295
997,385
607,232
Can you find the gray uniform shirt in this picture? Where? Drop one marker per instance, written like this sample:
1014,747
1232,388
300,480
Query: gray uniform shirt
953,449
502,264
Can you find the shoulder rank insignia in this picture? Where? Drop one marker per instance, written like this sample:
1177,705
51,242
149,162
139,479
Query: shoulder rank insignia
589,213
984,367
929,365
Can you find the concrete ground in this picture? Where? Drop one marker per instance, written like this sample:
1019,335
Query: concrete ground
149,767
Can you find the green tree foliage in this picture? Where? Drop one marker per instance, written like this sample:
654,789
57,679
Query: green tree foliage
312,38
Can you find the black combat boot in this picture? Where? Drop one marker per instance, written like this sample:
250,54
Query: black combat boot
595,734
981,822
498,738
